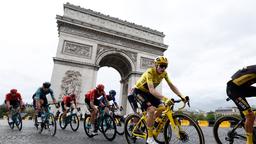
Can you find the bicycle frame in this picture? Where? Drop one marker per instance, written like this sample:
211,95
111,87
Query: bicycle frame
138,124
14,113
168,111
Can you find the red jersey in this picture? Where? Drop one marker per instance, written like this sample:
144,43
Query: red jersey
11,97
93,94
68,99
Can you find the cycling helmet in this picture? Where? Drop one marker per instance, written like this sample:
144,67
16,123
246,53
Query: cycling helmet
112,92
161,60
46,84
13,91
100,87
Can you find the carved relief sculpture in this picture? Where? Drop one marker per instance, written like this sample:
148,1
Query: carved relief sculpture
71,83
146,62
77,49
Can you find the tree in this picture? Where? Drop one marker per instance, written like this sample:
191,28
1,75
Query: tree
3,110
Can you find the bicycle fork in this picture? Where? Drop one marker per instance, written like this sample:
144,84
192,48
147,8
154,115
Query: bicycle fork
174,123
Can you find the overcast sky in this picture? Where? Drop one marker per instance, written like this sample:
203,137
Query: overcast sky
208,41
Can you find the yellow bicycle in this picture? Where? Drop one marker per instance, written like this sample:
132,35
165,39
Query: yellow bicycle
170,127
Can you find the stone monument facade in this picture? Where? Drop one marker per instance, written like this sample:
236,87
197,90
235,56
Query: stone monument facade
89,40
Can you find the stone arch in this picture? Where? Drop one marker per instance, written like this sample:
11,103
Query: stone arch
89,40
119,61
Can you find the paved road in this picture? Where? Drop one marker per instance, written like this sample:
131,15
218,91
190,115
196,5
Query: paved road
28,135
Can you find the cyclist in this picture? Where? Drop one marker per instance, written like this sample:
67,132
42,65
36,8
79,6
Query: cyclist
40,98
13,98
145,87
111,97
66,102
92,101
240,87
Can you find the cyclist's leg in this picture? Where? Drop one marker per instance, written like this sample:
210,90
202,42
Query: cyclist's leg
37,105
132,101
93,112
64,110
249,115
150,104
238,94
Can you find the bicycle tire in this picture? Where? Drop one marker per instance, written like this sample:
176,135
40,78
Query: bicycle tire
62,122
76,121
127,130
11,124
51,122
185,136
18,121
119,125
160,137
88,126
222,134
108,123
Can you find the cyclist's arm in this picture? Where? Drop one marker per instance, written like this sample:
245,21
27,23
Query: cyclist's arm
20,99
75,103
173,87
114,100
7,101
52,95
92,101
105,100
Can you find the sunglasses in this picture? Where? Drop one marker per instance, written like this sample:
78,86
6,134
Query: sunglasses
163,66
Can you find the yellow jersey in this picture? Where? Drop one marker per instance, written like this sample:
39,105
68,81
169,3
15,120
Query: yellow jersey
151,77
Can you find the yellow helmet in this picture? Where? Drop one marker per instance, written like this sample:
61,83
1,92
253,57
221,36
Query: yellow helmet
161,60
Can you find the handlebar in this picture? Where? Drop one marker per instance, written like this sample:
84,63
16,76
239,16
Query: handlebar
184,103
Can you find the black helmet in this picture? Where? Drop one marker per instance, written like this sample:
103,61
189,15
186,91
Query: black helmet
112,92
46,84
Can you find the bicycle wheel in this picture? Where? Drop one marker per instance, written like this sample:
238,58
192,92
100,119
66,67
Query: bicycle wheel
37,125
119,120
88,126
50,124
74,123
18,122
132,126
225,130
11,124
189,131
62,122
159,134
108,127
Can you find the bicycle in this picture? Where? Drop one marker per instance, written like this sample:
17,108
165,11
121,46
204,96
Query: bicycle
104,123
230,129
48,121
15,118
119,120
168,123
71,118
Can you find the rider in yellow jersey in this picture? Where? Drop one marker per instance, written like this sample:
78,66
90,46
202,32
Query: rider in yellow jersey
145,87
240,87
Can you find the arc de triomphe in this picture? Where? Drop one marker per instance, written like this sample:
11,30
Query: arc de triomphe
89,40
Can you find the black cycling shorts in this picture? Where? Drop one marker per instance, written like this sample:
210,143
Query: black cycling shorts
87,102
239,93
147,99
62,105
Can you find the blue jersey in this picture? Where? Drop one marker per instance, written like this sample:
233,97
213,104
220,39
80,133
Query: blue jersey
41,94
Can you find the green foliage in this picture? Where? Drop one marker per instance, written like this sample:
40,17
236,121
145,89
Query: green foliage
210,116
3,110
